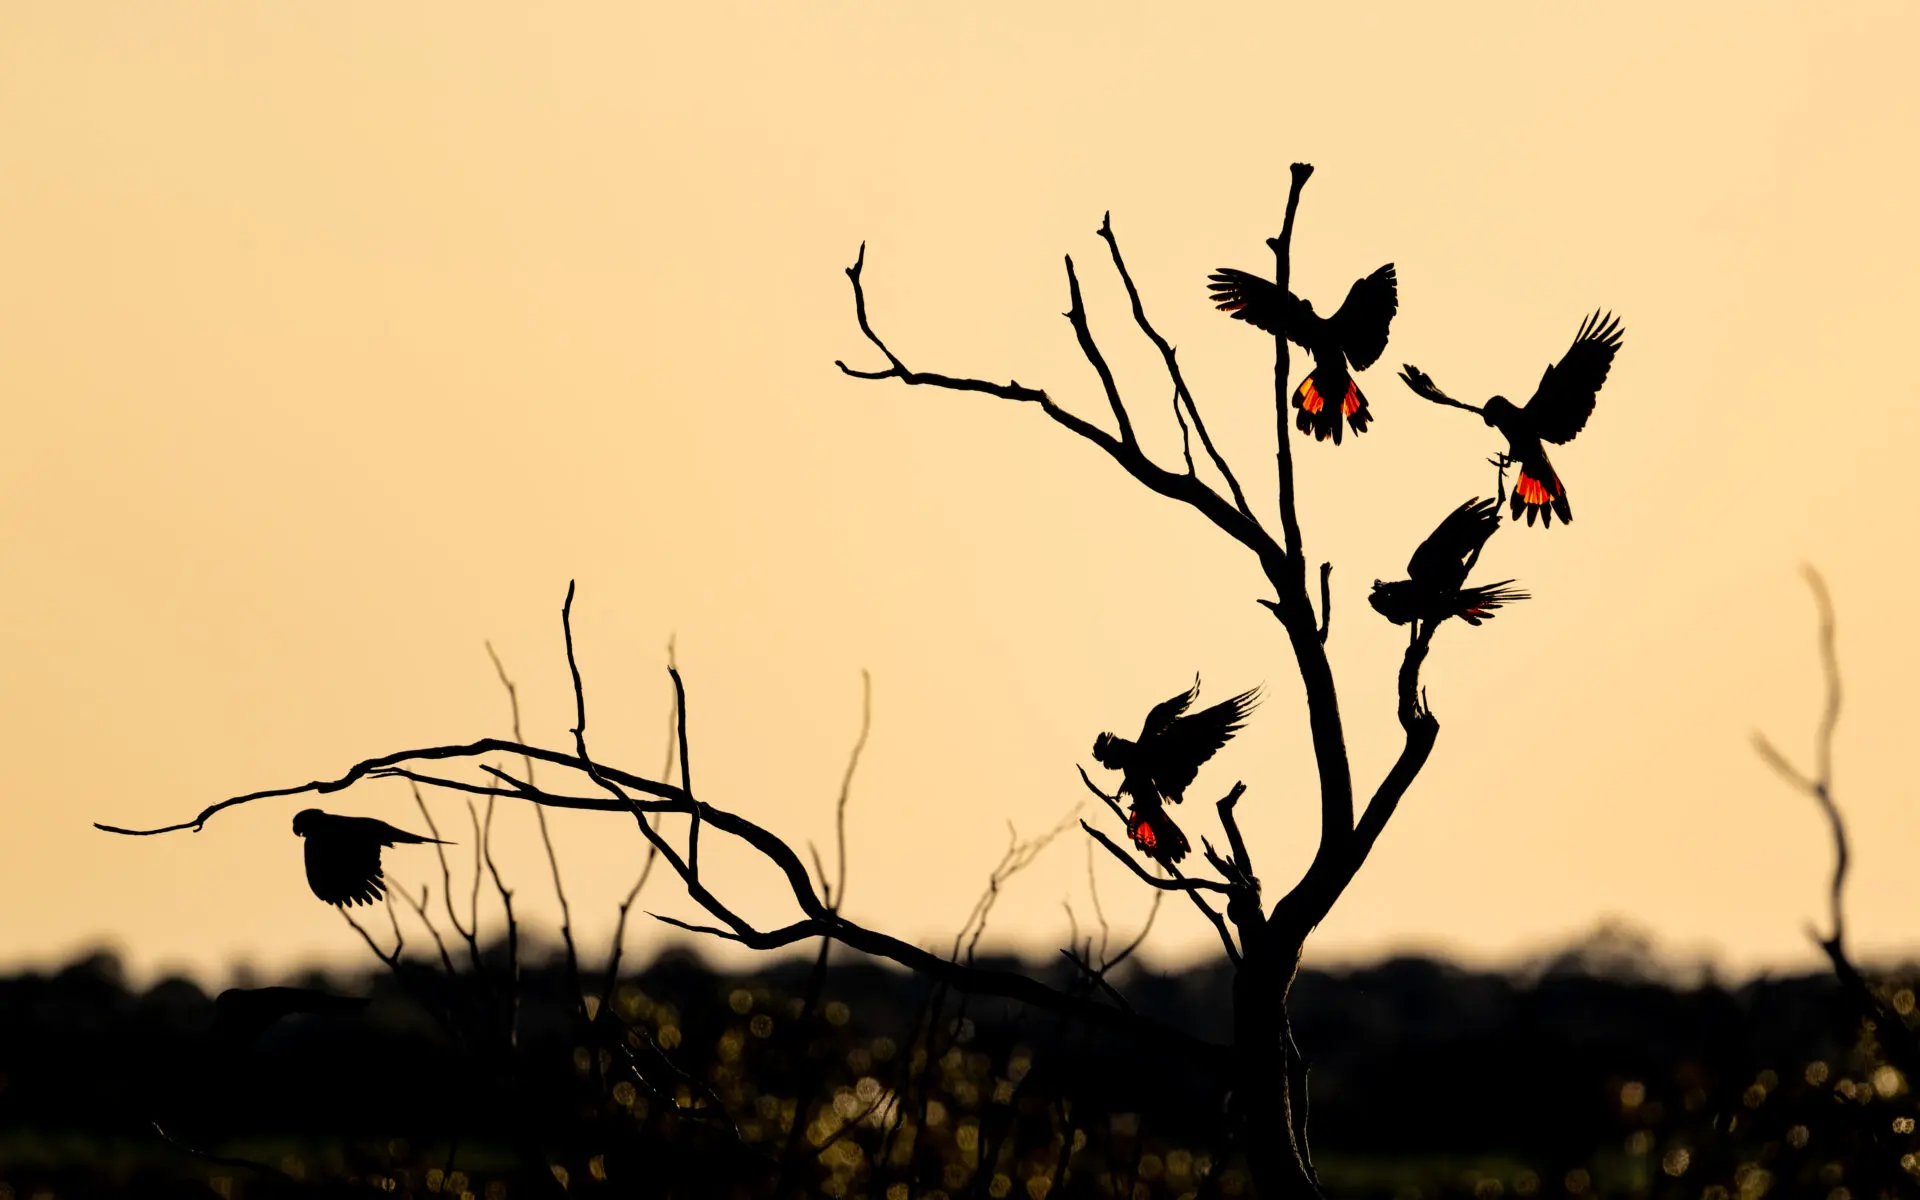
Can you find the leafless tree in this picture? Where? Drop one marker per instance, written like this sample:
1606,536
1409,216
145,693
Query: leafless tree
1897,1039
1263,1072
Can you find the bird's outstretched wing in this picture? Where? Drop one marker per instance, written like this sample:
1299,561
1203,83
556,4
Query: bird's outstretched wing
1248,298
1194,739
344,870
1423,385
1564,400
1163,714
1362,319
1441,560
379,832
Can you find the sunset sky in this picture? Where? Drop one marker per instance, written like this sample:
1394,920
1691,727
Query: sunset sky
335,340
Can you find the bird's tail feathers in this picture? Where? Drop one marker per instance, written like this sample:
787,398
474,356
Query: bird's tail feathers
1476,604
1539,492
1156,834
1324,419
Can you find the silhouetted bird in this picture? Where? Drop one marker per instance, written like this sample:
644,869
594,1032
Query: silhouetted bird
1355,336
1158,766
1558,410
1437,573
343,854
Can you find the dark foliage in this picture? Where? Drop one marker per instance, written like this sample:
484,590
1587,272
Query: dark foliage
1428,1079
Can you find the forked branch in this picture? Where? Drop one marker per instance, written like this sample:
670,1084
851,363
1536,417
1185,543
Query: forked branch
640,797
1181,486
1896,1037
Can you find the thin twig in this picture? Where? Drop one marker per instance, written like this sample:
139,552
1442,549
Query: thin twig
1898,1041
420,910
653,856
1231,824
1181,394
574,986
1179,486
446,878
838,899
392,960
1282,247
1077,314
1168,885
1326,601
818,921
1819,785
1211,913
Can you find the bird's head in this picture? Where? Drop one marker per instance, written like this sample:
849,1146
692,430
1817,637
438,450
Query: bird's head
1392,600
305,820
1103,751
1497,410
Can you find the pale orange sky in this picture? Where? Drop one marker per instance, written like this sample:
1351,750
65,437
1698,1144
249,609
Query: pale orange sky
334,341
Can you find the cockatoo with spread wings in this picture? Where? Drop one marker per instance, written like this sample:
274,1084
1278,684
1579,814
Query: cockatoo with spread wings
1158,766
1557,411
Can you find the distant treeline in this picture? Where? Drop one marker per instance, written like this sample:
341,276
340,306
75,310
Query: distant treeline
1421,1071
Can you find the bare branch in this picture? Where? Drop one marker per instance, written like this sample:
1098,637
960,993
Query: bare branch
839,897
1139,939
1181,394
1170,885
1077,315
1326,601
540,815
1819,785
1099,912
653,853
1778,761
1897,1039
1207,910
420,910
1018,857
1282,247
479,845
1226,805
1328,876
1123,450
446,880
485,839
392,960
1097,977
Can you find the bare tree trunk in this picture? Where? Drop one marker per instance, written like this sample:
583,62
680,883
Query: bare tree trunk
1269,1102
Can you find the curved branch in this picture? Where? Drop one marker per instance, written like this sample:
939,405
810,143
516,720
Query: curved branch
1326,601
1282,248
1820,784
819,920
1175,486
1181,394
1165,885
1295,609
1898,1041
1327,878
1077,315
